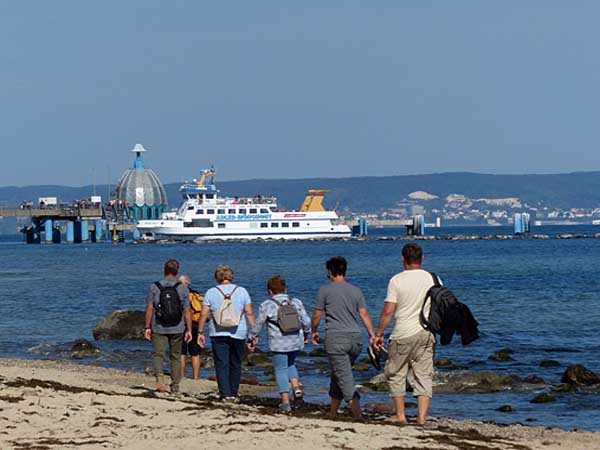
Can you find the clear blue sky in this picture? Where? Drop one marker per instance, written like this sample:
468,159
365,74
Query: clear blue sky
297,89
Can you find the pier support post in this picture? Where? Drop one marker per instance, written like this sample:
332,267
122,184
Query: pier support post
48,231
522,223
70,232
363,226
136,234
32,234
56,235
99,231
85,232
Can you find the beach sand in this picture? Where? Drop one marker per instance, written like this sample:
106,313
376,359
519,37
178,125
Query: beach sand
61,405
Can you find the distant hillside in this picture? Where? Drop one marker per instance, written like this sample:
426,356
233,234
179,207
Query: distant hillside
371,194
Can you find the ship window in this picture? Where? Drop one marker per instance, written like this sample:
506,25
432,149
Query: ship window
231,211
253,225
242,211
253,211
274,225
264,225
273,209
210,195
190,207
295,224
202,223
199,212
220,225
210,211
285,225
264,211
220,211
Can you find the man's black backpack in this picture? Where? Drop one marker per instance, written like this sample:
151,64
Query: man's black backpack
288,318
169,309
447,315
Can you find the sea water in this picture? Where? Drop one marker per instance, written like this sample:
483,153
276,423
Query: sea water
538,297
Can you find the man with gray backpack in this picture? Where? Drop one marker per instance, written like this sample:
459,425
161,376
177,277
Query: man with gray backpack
288,328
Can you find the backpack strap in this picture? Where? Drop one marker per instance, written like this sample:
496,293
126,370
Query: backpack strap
436,280
161,287
227,295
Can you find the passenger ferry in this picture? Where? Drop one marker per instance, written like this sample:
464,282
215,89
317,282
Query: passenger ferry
204,215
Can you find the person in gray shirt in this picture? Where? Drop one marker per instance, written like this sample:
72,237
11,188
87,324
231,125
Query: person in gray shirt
168,330
343,305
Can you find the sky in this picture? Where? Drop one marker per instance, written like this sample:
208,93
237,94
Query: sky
276,89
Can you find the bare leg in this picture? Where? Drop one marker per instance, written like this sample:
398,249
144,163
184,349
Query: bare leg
285,397
195,367
423,406
183,361
294,382
335,405
355,407
400,415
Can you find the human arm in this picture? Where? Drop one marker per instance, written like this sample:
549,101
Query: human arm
259,323
149,314
148,321
187,315
366,320
316,319
385,318
304,320
203,318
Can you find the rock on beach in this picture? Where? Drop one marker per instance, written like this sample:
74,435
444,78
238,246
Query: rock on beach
121,324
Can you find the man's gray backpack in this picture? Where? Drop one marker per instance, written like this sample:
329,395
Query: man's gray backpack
288,319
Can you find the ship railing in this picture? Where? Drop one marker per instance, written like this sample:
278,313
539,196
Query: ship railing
257,200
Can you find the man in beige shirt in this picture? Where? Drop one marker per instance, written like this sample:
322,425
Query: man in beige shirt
411,347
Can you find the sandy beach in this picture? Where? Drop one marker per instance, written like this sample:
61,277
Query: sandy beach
61,405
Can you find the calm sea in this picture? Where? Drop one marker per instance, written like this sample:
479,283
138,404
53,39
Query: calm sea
538,297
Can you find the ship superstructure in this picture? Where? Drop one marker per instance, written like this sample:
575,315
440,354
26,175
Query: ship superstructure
204,215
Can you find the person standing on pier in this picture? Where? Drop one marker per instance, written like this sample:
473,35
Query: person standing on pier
411,347
168,321
343,304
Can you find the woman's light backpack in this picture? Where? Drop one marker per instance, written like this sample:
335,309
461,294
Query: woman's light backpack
226,315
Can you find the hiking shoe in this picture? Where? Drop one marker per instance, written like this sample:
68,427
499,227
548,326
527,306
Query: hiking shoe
376,356
285,407
298,393
175,390
231,400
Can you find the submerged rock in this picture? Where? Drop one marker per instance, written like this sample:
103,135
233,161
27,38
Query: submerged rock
442,363
578,375
534,379
121,324
477,382
505,409
502,355
84,349
543,398
549,363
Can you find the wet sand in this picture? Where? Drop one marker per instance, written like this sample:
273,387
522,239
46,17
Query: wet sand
60,405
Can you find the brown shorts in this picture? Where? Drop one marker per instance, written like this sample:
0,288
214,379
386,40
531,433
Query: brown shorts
412,359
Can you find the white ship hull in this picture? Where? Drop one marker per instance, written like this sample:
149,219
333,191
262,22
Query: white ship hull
205,216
